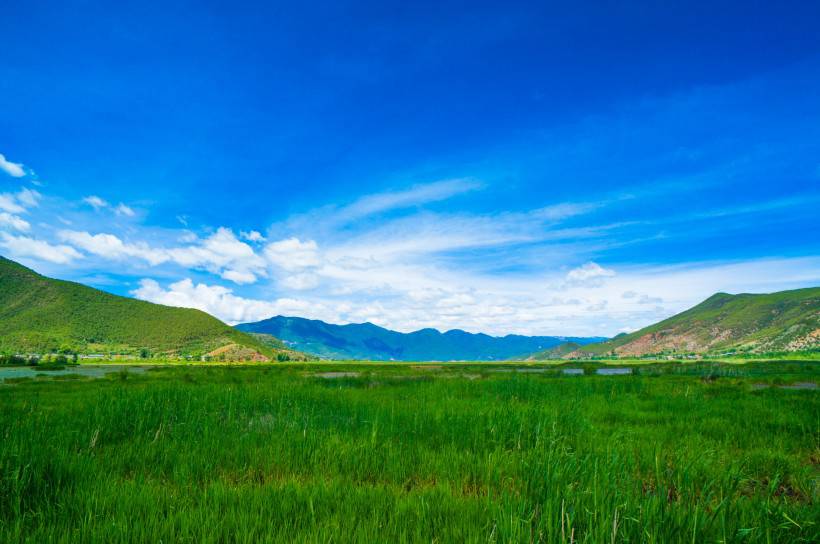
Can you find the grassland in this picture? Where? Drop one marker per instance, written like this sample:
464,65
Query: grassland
387,453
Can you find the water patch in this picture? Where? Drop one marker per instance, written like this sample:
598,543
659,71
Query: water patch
613,371
800,385
96,371
336,375
572,371
793,386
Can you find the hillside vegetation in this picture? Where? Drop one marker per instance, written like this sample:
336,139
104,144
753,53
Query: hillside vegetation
41,315
787,321
367,341
556,352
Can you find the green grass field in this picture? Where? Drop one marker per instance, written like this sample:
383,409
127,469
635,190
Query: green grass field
700,452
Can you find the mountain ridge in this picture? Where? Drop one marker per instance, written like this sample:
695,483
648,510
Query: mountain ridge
745,323
370,341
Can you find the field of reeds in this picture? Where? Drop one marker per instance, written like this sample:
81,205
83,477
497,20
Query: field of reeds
701,452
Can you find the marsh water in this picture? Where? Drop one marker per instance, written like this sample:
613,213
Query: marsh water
90,371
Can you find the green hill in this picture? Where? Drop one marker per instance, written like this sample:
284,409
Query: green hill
787,321
556,352
41,315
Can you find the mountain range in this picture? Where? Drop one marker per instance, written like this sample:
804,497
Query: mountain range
43,315
786,321
370,342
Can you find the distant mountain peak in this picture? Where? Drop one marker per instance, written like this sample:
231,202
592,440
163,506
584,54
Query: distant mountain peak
372,342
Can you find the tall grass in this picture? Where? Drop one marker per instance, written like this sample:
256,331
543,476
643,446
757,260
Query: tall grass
248,454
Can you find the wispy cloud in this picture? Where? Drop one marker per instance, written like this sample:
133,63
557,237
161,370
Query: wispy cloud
99,203
14,169
14,222
124,210
95,202
414,196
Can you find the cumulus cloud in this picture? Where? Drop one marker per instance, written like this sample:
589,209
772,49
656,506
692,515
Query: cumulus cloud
111,247
588,275
221,302
14,169
23,246
221,253
300,282
293,254
239,277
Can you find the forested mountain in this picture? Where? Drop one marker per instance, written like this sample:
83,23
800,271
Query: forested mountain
371,342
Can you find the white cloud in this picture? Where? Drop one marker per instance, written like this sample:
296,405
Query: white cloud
252,236
14,169
8,203
22,246
99,203
293,254
111,247
29,197
415,196
20,201
122,209
588,275
221,253
222,303
565,210
8,220
300,282
95,202
239,277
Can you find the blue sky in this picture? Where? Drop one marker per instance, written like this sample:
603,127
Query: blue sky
535,168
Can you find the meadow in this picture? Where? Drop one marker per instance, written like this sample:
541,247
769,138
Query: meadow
697,452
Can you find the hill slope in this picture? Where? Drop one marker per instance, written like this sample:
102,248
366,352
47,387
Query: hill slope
556,352
371,342
786,321
39,315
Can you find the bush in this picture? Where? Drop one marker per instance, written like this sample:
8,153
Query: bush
15,360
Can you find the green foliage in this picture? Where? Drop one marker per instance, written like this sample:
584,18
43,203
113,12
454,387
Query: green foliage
557,352
13,360
393,453
43,315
